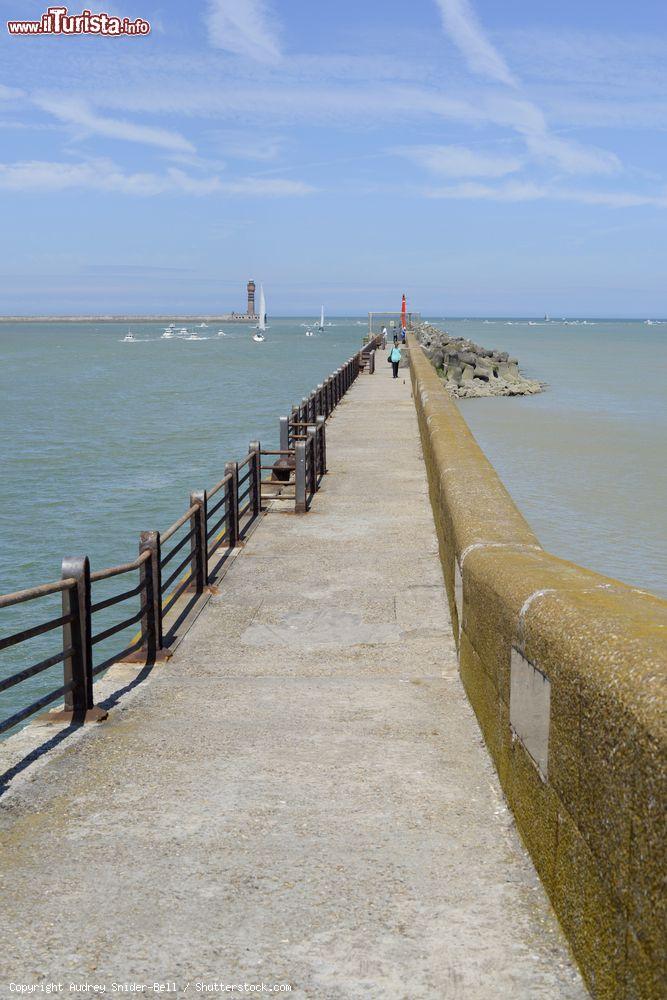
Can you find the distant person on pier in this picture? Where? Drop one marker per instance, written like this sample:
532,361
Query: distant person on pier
395,357
384,337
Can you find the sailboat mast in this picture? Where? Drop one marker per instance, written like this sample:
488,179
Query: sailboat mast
262,309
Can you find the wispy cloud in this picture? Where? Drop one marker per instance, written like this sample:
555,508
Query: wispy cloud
104,175
10,94
77,113
234,143
461,24
572,157
458,161
518,191
244,27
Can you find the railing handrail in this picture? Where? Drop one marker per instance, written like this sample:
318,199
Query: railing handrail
107,574
32,593
215,489
173,528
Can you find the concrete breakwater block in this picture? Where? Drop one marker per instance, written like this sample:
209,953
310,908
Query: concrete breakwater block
469,370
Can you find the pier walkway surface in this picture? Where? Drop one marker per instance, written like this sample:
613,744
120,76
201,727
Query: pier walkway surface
301,795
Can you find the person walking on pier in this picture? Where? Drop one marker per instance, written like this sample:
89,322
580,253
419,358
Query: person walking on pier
395,358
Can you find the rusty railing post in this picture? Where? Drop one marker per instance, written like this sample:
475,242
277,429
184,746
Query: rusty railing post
301,498
198,545
314,457
284,433
322,430
77,636
320,399
232,469
255,450
312,439
151,597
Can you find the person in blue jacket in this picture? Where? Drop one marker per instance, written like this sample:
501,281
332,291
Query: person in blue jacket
395,357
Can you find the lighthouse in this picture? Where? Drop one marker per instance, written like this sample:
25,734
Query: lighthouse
251,298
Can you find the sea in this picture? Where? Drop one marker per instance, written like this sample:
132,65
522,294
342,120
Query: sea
104,437
585,460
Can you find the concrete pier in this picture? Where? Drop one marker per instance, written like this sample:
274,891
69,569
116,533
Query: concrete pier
302,794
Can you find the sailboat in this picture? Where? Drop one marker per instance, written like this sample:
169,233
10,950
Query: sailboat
321,326
258,336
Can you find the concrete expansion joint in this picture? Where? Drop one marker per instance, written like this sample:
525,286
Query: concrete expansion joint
494,545
521,621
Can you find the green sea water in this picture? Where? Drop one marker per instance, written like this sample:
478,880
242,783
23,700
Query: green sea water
585,460
104,438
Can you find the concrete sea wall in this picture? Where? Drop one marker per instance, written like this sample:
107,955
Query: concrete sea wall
567,673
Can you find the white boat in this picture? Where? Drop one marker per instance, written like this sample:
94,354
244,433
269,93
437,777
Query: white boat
546,317
168,332
648,322
309,333
184,330
258,336
321,326
129,337
203,326
221,333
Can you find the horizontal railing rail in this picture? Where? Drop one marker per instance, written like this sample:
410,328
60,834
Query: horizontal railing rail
200,541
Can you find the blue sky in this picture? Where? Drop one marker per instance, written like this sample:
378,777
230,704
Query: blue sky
490,159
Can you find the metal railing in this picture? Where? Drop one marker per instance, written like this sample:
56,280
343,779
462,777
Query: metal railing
392,320
171,564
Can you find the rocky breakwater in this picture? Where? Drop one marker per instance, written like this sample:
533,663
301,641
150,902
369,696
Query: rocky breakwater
471,371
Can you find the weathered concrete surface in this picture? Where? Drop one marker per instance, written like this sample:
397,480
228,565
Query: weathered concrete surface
302,794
